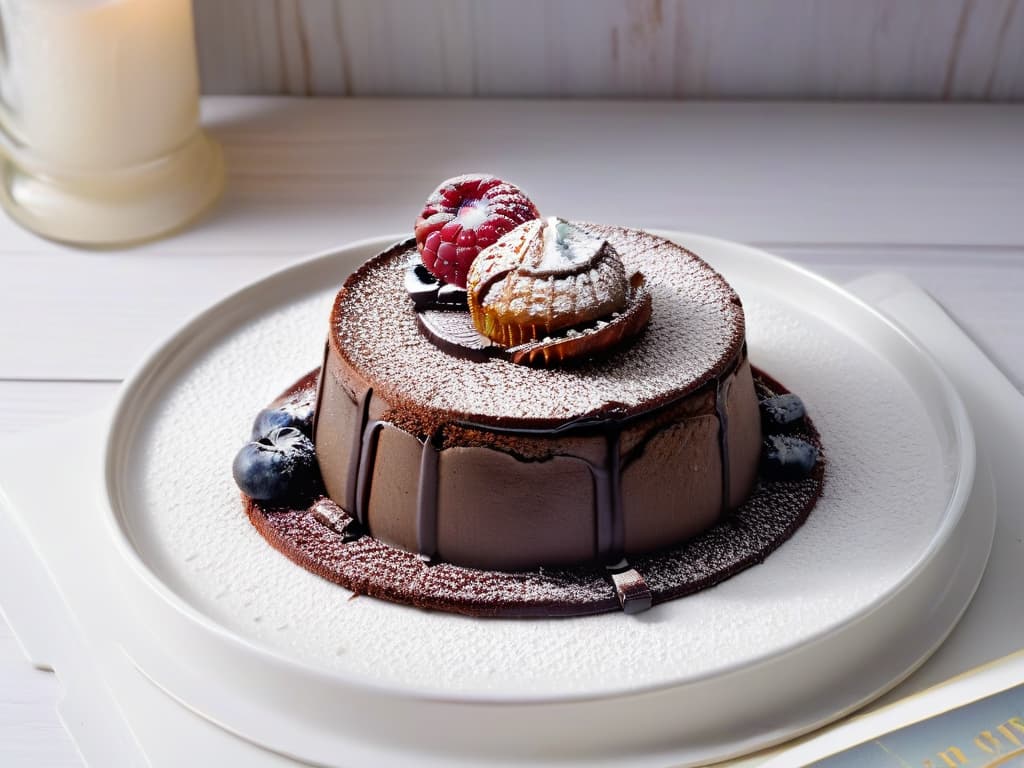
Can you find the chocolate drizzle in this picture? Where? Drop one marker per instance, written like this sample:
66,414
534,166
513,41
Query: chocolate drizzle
609,524
721,396
367,458
356,453
426,497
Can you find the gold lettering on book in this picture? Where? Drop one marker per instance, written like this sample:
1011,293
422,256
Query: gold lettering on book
989,742
986,742
1007,729
951,757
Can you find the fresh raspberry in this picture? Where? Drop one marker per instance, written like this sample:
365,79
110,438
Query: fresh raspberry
462,217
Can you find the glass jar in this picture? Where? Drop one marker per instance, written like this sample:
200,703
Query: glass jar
99,119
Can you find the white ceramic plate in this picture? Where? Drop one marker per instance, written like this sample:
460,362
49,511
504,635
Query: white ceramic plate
863,593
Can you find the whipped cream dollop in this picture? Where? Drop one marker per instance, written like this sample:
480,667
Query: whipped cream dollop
556,247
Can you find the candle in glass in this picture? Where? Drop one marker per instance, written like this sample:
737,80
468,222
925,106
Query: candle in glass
99,109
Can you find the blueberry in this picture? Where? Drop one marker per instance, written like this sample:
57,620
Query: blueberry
782,413
277,467
787,458
295,414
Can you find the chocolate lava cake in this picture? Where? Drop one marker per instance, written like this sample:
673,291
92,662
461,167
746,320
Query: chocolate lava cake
577,400
498,465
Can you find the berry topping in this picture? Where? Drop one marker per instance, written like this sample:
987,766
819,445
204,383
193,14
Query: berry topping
781,413
298,414
465,215
280,466
787,458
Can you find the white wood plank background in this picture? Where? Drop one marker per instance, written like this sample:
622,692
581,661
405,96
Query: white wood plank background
822,49
934,191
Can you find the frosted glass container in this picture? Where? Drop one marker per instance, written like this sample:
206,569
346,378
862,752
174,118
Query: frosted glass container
99,119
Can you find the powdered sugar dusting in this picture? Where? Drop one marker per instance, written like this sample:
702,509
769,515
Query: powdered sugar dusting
696,326
563,249
886,490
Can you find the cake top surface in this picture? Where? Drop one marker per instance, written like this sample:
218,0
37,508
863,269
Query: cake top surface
696,329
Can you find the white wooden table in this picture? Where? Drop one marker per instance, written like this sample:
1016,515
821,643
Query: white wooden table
935,191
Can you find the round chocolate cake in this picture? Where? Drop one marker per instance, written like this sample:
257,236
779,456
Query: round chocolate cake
526,416
498,465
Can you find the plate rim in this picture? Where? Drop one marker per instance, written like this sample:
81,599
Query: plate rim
135,385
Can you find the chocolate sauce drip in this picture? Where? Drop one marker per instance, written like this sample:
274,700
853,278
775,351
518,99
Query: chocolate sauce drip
426,497
356,453
721,403
371,436
611,528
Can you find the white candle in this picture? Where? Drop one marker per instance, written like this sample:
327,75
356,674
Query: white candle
100,83
93,95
